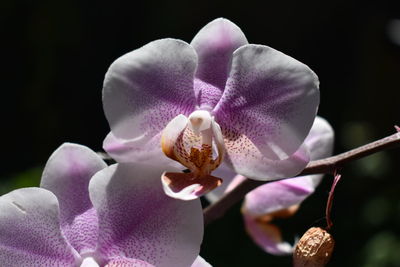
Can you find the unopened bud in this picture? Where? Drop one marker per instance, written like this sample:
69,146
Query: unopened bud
314,248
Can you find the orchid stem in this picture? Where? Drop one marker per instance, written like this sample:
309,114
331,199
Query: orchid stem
326,166
329,222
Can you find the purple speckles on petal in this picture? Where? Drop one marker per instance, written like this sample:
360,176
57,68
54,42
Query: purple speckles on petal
139,220
267,108
67,175
281,199
207,95
127,221
30,231
126,262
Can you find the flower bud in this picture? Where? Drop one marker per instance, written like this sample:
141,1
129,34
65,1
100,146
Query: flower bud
314,248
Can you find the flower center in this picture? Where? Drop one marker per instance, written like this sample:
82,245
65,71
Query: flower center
196,142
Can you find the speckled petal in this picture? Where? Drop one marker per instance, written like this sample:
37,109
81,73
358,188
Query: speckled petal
30,233
267,109
214,45
126,262
283,194
67,174
261,168
146,88
279,168
267,236
200,262
319,143
185,186
138,220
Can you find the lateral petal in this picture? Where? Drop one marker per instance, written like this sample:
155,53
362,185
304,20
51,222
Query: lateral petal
268,106
145,89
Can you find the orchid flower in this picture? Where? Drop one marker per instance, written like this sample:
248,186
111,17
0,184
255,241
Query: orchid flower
280,199
88,214
217,99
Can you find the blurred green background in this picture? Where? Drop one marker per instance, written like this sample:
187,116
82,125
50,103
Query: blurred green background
55,55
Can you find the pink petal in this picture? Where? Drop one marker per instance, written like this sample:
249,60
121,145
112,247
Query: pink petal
320,145
282,195
215,44
268,237
320,139
30,233
138,220
67,174
146,88
186,186
277,195
267,109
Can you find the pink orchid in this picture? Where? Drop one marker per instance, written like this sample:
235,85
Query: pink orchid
88,214
279,199
217,99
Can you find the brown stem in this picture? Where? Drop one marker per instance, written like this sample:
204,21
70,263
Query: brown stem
327,165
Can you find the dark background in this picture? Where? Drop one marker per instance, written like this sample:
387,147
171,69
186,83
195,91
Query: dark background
55,55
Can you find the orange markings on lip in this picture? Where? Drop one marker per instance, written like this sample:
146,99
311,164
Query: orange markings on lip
202,159
192,142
